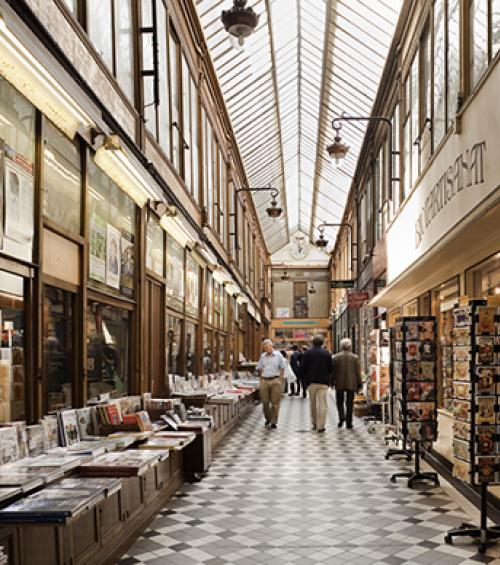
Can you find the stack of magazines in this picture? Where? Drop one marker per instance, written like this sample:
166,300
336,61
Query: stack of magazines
58,503
130,463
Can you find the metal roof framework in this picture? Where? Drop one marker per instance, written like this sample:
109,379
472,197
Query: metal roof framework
307,62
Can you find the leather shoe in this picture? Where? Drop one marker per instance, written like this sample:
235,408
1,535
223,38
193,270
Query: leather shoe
274,426
349,426
321,430
340,424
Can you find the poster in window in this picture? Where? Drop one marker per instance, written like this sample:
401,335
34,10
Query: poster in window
175,272
97,259
192,282
127,265
18,194
113,262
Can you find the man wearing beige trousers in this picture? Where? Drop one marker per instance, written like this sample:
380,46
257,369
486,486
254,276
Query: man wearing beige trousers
317,370
271,369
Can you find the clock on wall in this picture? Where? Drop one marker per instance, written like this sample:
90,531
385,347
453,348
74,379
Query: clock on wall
300,248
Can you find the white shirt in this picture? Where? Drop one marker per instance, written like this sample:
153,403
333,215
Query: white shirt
271,364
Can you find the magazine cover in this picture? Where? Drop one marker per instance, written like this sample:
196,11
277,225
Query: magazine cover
486,442
486,319
485,350
85,422
50,432
461,449
35,440
486,380
412,331
486,469
461,390
461,430
485,410
461,470
427,330
413,351
69,427
9,447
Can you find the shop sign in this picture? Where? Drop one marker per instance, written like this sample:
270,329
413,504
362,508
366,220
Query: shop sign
356,300
282,312
342,284
381,283
463,175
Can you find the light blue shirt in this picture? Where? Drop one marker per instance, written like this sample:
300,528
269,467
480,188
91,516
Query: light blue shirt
271,364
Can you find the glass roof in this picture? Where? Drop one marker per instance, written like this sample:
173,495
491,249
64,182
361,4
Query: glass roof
307,62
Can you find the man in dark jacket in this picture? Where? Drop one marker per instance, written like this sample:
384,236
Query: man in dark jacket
317,370
347,374
296,365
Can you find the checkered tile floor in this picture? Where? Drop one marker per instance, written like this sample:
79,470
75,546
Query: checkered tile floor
293,496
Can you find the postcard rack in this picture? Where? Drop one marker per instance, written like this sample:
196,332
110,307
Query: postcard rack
415,387
476,407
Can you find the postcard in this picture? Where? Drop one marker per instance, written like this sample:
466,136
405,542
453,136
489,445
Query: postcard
461,430
461,470
428,350
427,330
412,331
486,380
485,350
461,316
461,410
412,391
413,350
427,392
461,449
486,319
427,371
486,467
486,440
485,410
461,390
461,336
461,371
413,370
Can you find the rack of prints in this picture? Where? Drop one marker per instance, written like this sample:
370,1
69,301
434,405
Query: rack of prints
476,393
415,386
476,408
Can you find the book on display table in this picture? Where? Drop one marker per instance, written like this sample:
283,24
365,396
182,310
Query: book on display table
476,406
130,463
415,389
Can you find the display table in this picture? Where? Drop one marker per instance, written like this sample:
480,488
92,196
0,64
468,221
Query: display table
197,456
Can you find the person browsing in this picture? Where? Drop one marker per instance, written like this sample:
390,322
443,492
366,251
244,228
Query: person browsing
271,370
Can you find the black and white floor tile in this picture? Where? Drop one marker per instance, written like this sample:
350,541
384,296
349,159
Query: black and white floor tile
293,496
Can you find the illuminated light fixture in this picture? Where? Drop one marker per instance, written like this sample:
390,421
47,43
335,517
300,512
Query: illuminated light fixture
321,242
274,211
284,276
25,72
117,165
240,22
337,150
312,289
497,290
174,227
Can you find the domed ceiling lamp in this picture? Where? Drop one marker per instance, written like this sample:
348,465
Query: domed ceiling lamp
240,22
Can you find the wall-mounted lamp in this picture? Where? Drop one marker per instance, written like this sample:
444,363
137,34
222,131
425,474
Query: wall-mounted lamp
274,211
322,242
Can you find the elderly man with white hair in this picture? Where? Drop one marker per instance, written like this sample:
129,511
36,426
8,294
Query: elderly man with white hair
347,376
271,369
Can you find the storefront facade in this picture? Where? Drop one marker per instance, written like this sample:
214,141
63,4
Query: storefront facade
102,291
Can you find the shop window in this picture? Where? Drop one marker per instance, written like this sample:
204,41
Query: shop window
396,169
111,235
190,129
424,125
222,352
209,304
12,362
208,358
62,182
108,350
176,93
17,155
174,326
192,286
72,6
495,27
110,28
190,336
478,37
300,299
208,184
58,343
483,280
175,274
155,246
414,122
439,90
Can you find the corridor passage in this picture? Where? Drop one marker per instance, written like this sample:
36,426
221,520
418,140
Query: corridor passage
293,496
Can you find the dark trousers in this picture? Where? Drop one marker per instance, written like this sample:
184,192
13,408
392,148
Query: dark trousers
295,387
345,401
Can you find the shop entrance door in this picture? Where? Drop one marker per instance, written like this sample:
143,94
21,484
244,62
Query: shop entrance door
154,338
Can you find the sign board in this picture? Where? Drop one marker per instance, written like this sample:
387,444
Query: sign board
356,300
381,283
342,284
282,312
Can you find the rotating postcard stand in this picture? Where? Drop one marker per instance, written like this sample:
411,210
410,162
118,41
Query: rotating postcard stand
395,436
415,386
476,408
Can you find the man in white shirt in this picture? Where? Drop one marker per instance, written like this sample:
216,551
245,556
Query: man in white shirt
271,369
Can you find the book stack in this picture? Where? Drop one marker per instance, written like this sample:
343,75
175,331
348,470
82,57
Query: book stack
414,367
130,463
476,392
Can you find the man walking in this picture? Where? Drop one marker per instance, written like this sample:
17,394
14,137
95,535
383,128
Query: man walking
317,371
271,370
347,373
295,364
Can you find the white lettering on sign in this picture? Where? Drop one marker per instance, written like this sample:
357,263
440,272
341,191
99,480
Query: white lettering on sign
467,171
